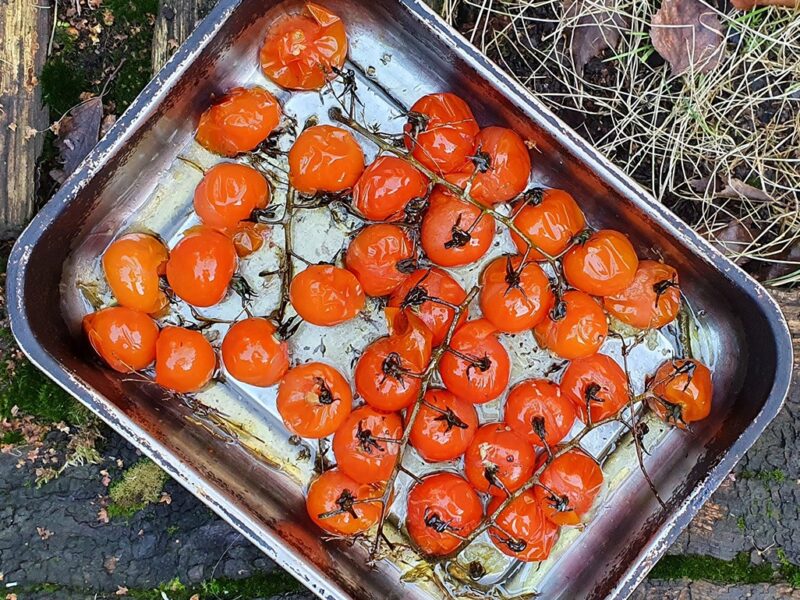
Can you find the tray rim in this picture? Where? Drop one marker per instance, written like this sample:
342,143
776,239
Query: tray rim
269,543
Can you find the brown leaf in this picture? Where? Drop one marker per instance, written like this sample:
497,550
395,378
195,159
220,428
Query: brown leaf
165,498
102,515
44,533
786,263
78,133
688,34
732,238
11,596
596,25
735,188
121,590
110,564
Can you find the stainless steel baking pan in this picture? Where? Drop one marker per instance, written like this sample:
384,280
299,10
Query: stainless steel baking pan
252,475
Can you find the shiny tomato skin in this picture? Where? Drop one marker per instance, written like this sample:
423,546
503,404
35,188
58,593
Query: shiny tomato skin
201,266
442,509
539,399
228,194
302,50
549,222
445,137
446,222
499,452
514,300
378,386
597,376
322,498
185,360
358,454
386,187
124,338
580,329
133,264
575,477
254,354
376,257
314,399
521,530
249,237
326,295
445,431
651,301
325,158
682,391
239,121
476,383
604,265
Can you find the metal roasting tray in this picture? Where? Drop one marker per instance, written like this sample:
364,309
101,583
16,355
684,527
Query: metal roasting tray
250,473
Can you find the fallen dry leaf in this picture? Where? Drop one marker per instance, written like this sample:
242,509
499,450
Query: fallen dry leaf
597,25
121,590
735,188
102,515
731,238
44,533
78,132
106,478
748,4
195,597
688,35
786,263
110,564
11,597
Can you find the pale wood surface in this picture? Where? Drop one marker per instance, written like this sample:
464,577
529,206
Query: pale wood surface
176,20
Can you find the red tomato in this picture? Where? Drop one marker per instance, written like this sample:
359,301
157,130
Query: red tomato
314,399
514,300
335,503
124,338
652,300
453,232
550,219
681,392
302,51
598,382
604,265
498,461
228,193
572,482
380,257
132,265
480,371
444,426
440,132
325,158
185,361
575,328
386,187
538,411
363,444
326,295
201,266
442,509
239,121
254,354
248,237
521,529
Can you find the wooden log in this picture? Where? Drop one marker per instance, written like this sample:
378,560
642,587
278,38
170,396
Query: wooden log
176,20
24,34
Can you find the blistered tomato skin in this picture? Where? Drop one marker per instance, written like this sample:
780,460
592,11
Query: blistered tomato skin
602,265
185,360
325,158
596,382
132,265
326,295
379,257
550,219
521,530
302,51
228,194
515,299
538,411
651,301
253,353
124,338
498,461
239,121
386,187
201,266
313,400
576,327
329,503
444,427
681,392
573,480
249,237
358,451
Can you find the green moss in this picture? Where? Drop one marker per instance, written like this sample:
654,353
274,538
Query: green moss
140,485
708,568
741,524
12,437
172,530
767,477
62,85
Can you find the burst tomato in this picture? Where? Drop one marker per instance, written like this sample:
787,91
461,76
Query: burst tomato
123,337
132,265
549,219
314,399
185,360
602,265
515,299
597,382
366,444
386,187
498,461
335,503
201,266
228,193
444,427
248,237
254,354
652,300
681,391
521,529
576,326
381,256
325,158
538,411
326,295
569,487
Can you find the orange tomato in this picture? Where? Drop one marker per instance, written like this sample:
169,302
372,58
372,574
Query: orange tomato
603,265
123,337
652,300
228,194
380,256
549,219
681,392
537,411
185,360
444,427
325,158
133,265
326,295
595,383
498,461
254,354
573,480
333,504
201,266
514,300
521,529
386,187
314,399
248,237
575,328
363,444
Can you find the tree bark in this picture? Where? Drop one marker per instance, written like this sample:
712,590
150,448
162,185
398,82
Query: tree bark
176,20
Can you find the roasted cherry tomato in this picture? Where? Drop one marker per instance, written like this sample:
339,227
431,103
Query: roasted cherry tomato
303,51
326,295
549,219
185,360
239,121
569,487
515,299
201,266
476,367
597,382
123,337
575,327
325,158
441,131
381,256
442,510
521,530
248,237
602,265
366,444
681,392
335,503
415,292
253,353
132,266
314,399
652,300
498,461
386,187
453,232
444,427
228,193
538,411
